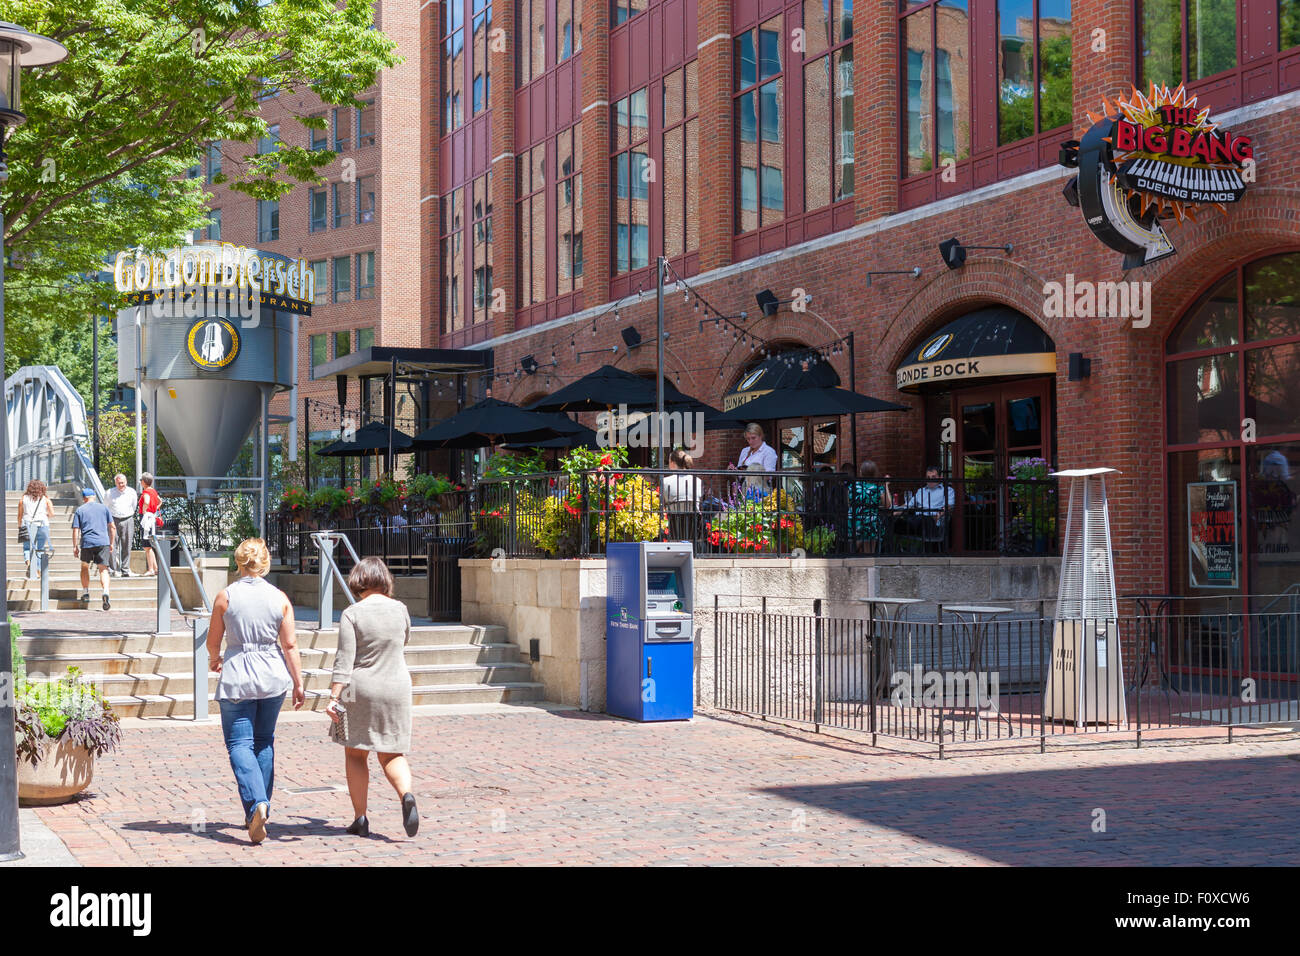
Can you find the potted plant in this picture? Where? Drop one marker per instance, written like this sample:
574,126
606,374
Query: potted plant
327,503
386,494
1033,505
434,493
295,504
62,725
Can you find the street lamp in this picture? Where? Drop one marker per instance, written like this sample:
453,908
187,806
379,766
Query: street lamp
18,49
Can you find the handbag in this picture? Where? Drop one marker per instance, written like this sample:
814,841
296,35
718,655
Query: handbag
339,730
24,535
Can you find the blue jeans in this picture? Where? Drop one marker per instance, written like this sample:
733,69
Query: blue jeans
38,537
249,729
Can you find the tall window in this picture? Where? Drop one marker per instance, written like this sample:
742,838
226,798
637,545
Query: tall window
365,275
342,278
341,131
936,95
482,26
365,199
321,282
214,224
342,343
530,22
318,209
214,159
319,350
342,194
453,64
1033,67
319,138
453,260
681,161
268,220
1186,40
266,145
828,102
1288,24
625,10
366,125
481,248
568,30
530,213
568,211
365,339
760,145
632,173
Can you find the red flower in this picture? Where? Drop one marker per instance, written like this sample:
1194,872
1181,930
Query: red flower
607,460
570,509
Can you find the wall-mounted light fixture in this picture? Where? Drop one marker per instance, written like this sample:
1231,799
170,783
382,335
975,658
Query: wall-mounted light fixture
631,337
1080,367
769,304
914,272
954,253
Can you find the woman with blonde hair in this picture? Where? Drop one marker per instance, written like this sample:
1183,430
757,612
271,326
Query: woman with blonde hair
260,666
371,679
34,514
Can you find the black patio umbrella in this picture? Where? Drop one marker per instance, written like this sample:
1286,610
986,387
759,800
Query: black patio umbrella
370,439
609,387
809,403
493,422
584,437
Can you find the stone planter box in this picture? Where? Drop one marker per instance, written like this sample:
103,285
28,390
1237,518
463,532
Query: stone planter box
61,774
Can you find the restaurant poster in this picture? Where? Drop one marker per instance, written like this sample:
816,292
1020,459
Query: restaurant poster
1212,534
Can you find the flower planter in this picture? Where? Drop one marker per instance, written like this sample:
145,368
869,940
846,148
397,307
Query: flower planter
65,771
446,501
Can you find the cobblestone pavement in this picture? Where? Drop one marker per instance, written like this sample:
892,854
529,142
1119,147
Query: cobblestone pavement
538,787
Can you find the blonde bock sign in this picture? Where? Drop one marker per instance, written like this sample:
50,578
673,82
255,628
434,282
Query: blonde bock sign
199,272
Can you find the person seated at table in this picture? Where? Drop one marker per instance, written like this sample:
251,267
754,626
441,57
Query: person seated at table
757,455
929,506
867,499
681,494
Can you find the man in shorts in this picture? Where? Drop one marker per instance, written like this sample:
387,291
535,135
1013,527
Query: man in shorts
93,536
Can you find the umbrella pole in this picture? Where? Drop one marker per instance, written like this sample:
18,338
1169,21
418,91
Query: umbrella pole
853,387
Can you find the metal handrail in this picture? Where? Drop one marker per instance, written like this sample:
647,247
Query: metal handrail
330,571
27,459
199,618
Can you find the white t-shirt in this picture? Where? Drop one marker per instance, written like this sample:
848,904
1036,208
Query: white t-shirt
34,510
682,486
121,504
764,458
931,500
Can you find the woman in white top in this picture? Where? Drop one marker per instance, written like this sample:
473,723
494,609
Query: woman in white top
34,513
681,493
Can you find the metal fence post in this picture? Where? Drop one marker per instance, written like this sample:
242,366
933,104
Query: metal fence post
716,658
201,668
43,558
819,689
163,604
325,558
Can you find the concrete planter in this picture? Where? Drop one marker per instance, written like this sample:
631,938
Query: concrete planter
60,775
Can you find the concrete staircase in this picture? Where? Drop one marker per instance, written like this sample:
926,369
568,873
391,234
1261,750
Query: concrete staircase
133,593
148,675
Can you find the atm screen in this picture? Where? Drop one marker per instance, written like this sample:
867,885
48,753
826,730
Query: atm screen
662,583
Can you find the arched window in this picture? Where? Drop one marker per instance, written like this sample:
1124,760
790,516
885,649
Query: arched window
1232,387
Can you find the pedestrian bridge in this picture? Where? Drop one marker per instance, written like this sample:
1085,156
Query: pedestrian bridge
45,433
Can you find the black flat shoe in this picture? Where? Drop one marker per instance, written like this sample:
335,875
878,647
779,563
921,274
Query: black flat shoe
410,815
360,827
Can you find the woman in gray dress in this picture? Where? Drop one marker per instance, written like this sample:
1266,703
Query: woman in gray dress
371,678
260,666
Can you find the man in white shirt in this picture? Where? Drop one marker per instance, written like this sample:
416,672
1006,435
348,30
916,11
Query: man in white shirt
121,500
931,505
757,455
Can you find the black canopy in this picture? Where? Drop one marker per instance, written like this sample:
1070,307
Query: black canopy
788,372
809,403
492,422
584,437
369,439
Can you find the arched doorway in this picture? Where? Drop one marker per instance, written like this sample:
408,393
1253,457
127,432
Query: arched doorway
1232,444
801,444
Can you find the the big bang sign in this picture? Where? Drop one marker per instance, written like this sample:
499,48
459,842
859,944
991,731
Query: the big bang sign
1154,155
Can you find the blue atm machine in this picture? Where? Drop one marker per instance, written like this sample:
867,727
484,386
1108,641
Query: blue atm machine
649,630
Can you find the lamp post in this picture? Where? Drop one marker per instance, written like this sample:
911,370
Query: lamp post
18,49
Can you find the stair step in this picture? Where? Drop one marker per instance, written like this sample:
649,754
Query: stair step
182,705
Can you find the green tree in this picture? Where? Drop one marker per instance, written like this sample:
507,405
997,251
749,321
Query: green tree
100,164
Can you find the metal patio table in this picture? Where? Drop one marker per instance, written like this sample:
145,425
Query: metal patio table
975,624
891,609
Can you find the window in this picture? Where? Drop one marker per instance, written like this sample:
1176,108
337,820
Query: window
214,160
453,64
681,161
365,339
531,225
214,224
320,282
266,145
482,26
342,203
365,275
366,199
1288,24
268,220
625,10
936,109
568,33
318,207
319,350
453,260
530,20
195,171
568,211
760,146
1181,41
632,174
481,247
828,103
341,132
342,278
319,138
342,343
1033,67
366,125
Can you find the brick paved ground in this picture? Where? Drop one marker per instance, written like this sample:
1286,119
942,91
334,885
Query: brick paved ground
564,786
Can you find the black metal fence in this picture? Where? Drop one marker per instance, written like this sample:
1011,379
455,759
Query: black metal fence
768,514
953,677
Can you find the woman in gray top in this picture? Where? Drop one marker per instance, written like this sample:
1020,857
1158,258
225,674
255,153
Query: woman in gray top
260,666
371,678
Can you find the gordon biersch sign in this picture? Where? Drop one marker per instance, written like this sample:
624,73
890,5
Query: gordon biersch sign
1149,156
280,282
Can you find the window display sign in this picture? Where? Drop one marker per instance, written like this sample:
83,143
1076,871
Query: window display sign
1212,534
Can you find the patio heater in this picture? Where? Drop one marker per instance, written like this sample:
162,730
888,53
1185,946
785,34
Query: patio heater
1085,683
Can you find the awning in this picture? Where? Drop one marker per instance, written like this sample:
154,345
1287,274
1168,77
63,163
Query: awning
987,343
377,360
790,370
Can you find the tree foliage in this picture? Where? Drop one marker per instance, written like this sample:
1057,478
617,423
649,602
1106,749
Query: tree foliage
99,166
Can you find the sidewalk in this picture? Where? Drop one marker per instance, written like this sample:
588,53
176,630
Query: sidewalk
533,786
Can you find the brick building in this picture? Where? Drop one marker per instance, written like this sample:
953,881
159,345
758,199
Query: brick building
552,149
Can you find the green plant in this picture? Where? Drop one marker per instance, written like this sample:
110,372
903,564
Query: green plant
326,501
818,541
19,662
70,708
756,524
508,464
1033,502
426,486
293,498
